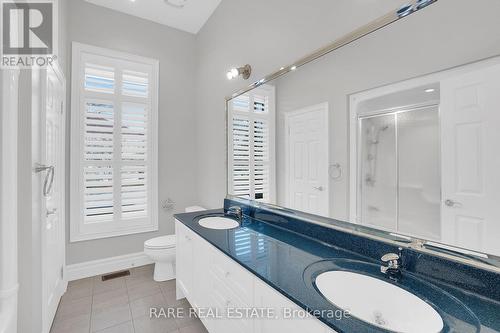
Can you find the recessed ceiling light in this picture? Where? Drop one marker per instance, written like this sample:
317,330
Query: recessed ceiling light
176,3
430,90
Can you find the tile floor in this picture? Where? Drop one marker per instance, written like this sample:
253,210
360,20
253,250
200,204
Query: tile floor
122,305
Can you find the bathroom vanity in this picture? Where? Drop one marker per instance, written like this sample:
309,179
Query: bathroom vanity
274,261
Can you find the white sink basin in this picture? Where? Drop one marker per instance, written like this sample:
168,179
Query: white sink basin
379,303
218,222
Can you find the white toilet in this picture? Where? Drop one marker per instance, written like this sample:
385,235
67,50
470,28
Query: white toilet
162,251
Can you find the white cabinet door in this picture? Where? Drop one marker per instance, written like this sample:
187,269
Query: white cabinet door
184,261
202,251
470,118
284,321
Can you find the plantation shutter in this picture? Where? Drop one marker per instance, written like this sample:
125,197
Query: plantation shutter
116,112
241,156
252,139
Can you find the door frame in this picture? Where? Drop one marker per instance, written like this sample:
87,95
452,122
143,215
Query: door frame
324,108
9,285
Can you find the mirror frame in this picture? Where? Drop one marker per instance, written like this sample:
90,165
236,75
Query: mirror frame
461,255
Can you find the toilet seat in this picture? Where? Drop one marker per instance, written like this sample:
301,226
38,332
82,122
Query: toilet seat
163,242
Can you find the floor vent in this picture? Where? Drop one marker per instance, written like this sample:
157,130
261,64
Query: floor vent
115,275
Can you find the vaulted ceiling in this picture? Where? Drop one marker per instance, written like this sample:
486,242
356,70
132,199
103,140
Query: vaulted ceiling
186,15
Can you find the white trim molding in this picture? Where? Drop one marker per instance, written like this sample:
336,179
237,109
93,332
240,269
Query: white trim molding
9,285
107,265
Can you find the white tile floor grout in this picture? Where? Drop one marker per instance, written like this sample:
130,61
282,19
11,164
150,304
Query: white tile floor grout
122,305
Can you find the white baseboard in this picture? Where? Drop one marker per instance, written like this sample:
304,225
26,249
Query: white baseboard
106,265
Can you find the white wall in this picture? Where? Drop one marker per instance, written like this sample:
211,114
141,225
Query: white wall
267,35
175,50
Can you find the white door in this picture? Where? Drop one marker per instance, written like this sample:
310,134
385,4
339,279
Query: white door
470,111
52,206
307,151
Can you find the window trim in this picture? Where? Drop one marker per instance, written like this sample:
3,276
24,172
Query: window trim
77,232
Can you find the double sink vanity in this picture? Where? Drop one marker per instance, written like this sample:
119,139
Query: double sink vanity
252,269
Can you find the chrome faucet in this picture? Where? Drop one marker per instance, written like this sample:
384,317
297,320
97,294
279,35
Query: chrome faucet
235,211
393,268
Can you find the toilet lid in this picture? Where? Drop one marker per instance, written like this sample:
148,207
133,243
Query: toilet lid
163,242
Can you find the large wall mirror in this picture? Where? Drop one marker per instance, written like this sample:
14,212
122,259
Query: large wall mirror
398,131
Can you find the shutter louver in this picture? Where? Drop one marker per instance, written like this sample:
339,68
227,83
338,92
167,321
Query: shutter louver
98,194
99,124
241,103
260,104
241,156
99,79
135,84
134,191
134,132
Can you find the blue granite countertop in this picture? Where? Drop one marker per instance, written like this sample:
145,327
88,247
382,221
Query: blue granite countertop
289,261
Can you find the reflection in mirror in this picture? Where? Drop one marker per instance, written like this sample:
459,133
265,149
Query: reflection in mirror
397,131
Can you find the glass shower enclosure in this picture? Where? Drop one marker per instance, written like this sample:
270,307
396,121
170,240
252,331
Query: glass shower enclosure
399,171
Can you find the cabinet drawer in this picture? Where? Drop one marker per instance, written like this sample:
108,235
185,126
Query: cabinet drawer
236,278
224,300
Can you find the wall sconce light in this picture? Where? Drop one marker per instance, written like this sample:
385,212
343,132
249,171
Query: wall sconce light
244,71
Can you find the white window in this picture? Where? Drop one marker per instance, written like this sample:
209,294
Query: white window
251,172
114,153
